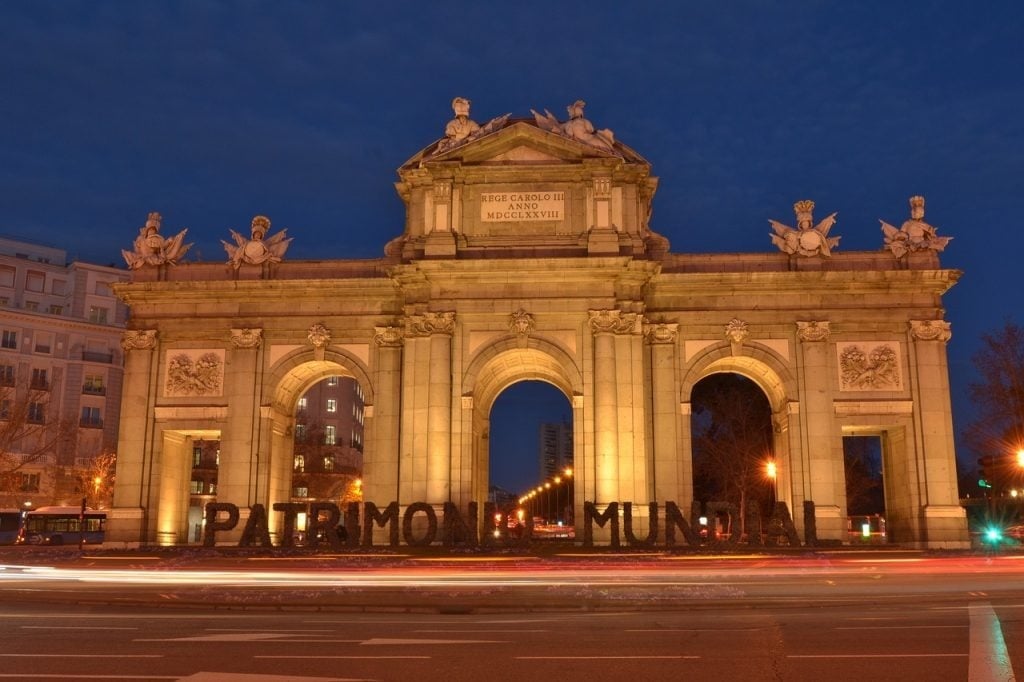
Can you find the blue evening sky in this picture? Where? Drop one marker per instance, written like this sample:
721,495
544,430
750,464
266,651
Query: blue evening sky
212,112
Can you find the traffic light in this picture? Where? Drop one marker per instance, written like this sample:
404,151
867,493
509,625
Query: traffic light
986,471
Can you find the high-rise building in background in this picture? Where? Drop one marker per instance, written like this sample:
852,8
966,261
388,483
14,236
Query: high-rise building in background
61,370
555,448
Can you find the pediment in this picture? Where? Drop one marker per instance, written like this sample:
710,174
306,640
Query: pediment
518,142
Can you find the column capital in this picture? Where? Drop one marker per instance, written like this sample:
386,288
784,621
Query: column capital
388,337
246,338
429,324
813,330
930,330
138,339
661,332
614,322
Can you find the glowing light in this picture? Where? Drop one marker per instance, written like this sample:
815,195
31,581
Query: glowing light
770,469
568,472
1020,457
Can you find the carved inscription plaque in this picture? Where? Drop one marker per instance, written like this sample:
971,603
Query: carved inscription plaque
516,207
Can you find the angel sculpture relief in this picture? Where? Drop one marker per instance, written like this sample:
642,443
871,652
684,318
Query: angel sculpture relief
152,249
915,234
257,250
807,239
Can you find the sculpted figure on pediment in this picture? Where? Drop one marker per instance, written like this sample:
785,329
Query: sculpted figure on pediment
256,250
915,234
150,248
462,128
576,127
807,239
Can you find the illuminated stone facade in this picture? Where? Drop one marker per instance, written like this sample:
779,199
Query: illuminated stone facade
527,255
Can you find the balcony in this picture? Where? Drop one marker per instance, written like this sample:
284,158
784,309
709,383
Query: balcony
90,423
94,390
39,385
93,356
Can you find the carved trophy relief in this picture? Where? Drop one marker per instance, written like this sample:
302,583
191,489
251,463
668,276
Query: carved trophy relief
869,366
138,339
388,337
256,250
194,373
150,249
930,330
807,239
430,323
661,332
914,235
246,338
813,330
613,322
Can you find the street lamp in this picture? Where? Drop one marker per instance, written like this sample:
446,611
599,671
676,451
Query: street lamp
772,472
1020,457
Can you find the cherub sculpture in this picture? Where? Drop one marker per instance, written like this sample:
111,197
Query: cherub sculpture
915,234
807,239
152,249
256,251
577,127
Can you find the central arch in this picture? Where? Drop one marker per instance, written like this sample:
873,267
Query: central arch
496,368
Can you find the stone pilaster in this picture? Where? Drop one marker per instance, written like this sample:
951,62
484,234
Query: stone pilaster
604,325
438,328
241,442
380,468
673,477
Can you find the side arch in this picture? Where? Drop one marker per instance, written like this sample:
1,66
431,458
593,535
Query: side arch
297,371
760,364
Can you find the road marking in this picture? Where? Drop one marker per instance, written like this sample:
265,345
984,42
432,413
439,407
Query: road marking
600,658
82,655
385,640
878,656
256,677
446,631
895,627
700,630
73,627
331,657
66,676
989,658
248,637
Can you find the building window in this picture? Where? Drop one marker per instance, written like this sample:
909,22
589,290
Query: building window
5,300
196,487
330,434
300,491
7,276
56,310
213,487
34,281
32,306
329,463
5,409
29,483
91,417
9,339
44,342
300,432
93,385
97,314
302,403
332,381
36,412
332,405
7,375
300,463
39,380
197,455
57,287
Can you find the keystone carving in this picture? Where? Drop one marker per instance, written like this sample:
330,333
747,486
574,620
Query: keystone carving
736,331
521,323
319,335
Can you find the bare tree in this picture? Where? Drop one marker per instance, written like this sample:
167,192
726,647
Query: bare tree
998,396
30,437
329,471
732,440
95,479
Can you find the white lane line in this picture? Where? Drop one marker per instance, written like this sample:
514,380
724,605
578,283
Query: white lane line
989,658
329,657
446,631
82,655
391,641
699,630
66,676
601,658
895,627
72,627
878,656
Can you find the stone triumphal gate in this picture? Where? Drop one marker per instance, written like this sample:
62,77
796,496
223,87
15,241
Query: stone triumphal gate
527,254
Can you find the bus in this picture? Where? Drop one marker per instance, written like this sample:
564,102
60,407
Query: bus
60,526
10,525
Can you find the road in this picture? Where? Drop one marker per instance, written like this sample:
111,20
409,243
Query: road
813,617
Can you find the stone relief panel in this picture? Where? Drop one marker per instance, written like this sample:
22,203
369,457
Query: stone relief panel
138,339
869,366
246,338
194,373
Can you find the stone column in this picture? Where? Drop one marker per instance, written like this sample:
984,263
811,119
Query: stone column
821,442
944,520
669,483
605,324
126,521
240,460
380,461
439,327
